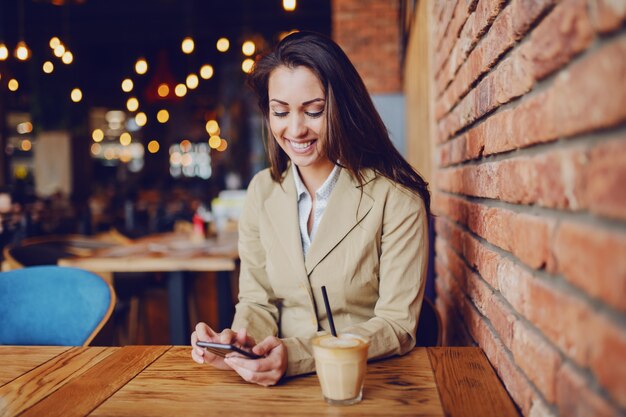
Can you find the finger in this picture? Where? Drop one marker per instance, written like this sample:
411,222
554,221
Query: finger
266,345
227,336
243,339
253,365
262,378
195,348
197,357
204,332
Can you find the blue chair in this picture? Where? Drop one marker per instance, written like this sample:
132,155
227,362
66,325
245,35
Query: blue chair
53,305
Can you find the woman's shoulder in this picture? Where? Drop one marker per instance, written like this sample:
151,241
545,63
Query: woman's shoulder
392,191
262,183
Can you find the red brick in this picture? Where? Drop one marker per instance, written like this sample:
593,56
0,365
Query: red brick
584,97
474,28
604,179
562,317
515,382
607,15
550,180
593,259
576,399
537,358
461,12
565,32
502,319
607,357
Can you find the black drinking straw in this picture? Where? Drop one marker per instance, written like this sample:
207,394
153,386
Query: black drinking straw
328,312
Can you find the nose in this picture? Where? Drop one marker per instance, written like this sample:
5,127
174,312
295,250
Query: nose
296,127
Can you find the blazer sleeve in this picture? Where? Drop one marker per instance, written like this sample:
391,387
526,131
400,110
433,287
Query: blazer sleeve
403,262
256,310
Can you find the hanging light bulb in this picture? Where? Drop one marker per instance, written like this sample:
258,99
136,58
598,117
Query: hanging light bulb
48,67
192,81
54,42
76,95
141,66
248,48
21,51
59,50
223,44
127,85
247,65
67,57
4,51
187,45
206,71
289,5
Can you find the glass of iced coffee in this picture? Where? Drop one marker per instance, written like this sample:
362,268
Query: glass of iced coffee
341,363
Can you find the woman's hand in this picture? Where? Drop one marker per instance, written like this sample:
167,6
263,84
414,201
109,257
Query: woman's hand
265,371
206,334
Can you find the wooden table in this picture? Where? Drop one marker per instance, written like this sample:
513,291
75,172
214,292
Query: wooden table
163,381
175,254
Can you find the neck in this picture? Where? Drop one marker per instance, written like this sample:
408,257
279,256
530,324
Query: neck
314,176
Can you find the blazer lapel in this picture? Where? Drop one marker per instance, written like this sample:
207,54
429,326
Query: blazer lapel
340,217
282,206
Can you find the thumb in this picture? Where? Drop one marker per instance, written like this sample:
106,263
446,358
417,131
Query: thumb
266,345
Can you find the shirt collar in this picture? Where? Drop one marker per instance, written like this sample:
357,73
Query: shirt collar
329,183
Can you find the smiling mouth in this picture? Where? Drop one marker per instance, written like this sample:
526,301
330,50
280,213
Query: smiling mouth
301,145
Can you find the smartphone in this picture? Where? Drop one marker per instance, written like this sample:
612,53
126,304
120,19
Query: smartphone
221,349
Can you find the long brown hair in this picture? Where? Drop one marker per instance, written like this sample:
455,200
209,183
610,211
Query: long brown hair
355,135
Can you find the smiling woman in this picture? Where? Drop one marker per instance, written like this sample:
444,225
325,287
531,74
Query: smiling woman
338,208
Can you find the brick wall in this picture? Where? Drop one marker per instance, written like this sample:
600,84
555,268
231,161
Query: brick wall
368,31
529,101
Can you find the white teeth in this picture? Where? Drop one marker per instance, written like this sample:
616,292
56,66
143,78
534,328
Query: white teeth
301,145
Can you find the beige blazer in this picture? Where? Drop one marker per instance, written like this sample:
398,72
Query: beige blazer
370,251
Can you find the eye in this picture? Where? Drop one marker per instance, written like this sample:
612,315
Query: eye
279,114
315,115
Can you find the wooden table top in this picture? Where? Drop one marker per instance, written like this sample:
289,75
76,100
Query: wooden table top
162,253
164,381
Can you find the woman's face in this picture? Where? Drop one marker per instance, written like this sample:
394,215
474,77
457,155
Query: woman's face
296,103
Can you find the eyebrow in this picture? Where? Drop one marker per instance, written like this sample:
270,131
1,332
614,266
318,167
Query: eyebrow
306,103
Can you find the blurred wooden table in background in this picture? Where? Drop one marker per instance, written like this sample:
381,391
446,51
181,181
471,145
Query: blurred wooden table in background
175,254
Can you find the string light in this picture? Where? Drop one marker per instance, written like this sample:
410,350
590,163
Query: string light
223,44
180,90
163,116
214,141
206,71
187,45
22,52
48,67
153,146
192,81
54,42
125,139
141,66
127,85
247,65
222,146
289,5
97,135
67,57
59,50
132,104
248,48
76,95
13,84
163,90
212,127
4,51
141,119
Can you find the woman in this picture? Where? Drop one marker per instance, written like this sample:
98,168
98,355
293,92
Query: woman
339,207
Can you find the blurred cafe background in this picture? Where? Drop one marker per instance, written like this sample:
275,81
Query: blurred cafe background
125,121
